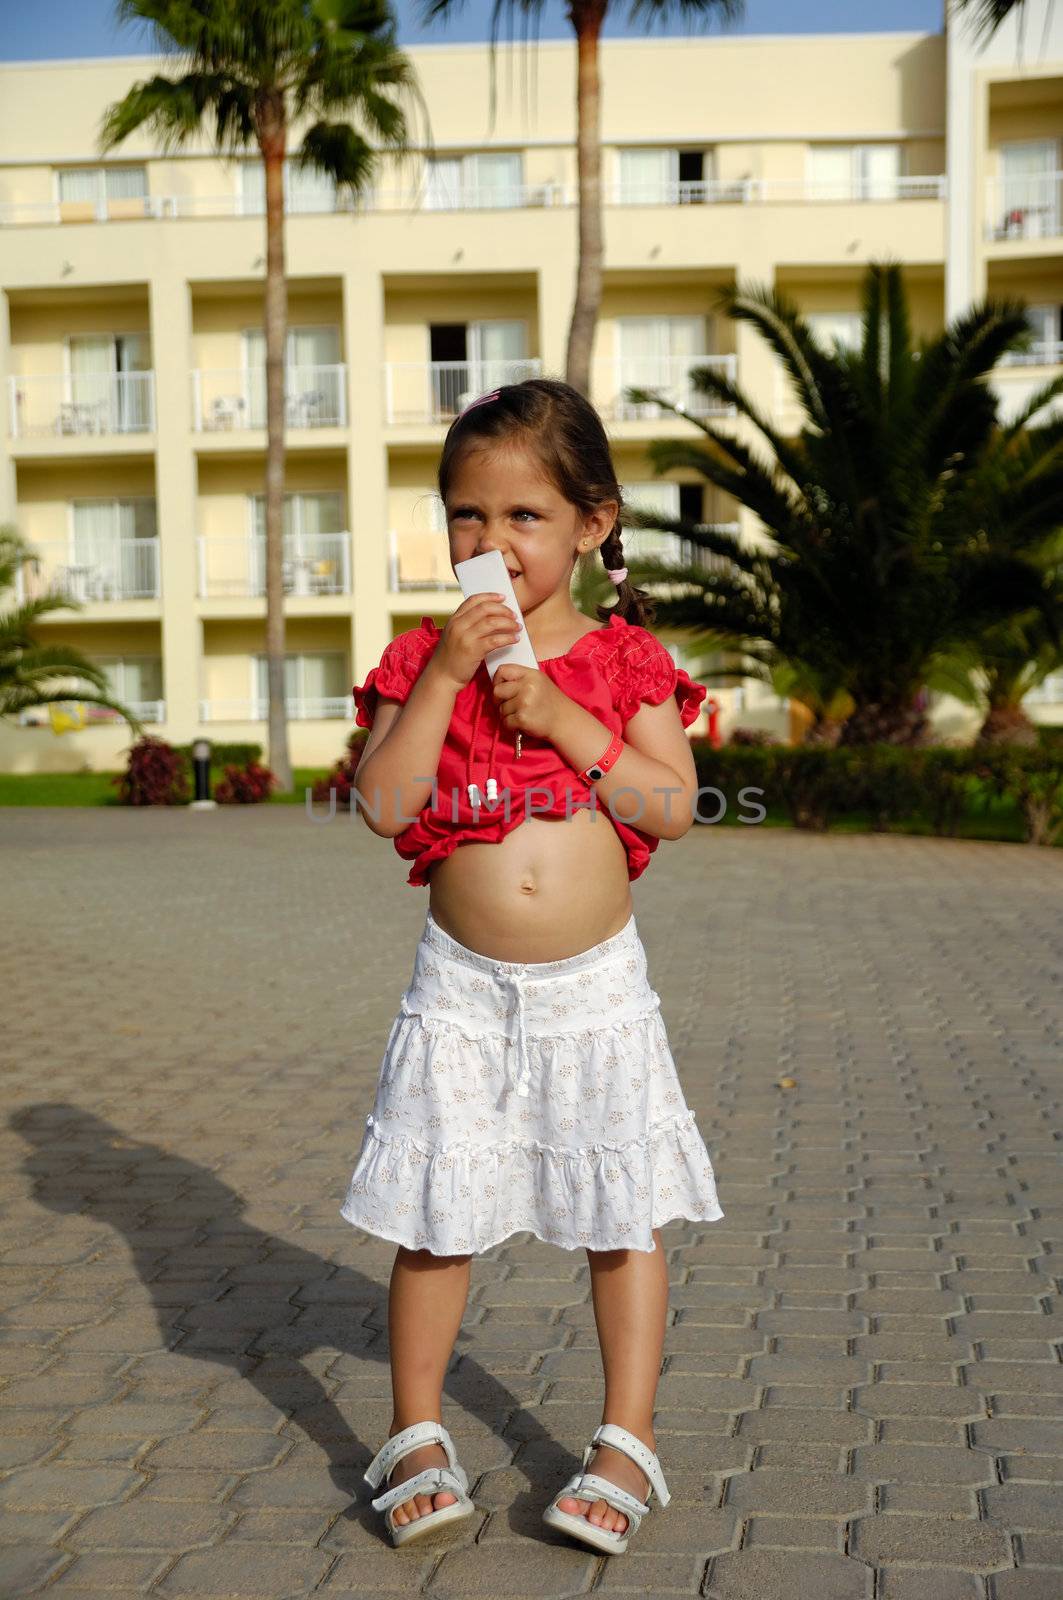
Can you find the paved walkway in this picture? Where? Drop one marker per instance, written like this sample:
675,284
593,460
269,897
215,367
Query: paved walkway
863,1394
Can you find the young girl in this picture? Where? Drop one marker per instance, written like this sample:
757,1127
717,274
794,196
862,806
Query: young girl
527,1082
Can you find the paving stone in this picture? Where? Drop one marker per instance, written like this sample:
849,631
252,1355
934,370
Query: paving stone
793,1533
895,1583
806,1494
911,1463
1023,1505
906,1540
254,1570
1027,1584
786,1575
557,1571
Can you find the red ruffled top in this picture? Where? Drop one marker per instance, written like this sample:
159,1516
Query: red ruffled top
610,671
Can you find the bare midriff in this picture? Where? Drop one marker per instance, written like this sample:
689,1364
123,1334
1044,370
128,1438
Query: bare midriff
554,886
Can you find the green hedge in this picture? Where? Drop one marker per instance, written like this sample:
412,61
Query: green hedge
814,786
236,755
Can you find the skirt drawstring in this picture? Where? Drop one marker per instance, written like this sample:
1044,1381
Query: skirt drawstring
523,1078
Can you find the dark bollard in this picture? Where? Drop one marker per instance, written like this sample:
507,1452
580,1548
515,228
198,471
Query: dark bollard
201,771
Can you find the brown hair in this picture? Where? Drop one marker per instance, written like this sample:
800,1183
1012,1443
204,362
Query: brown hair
566,434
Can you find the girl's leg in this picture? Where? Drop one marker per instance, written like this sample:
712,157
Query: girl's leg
629,1289
425,1307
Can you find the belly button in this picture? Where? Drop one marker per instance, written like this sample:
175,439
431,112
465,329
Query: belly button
527,888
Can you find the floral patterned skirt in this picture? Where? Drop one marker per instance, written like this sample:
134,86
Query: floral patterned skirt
538,1096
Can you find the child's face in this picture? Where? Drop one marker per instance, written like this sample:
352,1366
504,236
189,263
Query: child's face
500,500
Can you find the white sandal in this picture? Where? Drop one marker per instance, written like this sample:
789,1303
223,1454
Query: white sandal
586,1485
451,1478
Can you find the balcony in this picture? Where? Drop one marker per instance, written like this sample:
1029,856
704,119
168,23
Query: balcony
312,564
81,403
435,391
127,570
1042,353
419,561
101,716
757,191
670,375
524,196
256,709
235,401
1027,207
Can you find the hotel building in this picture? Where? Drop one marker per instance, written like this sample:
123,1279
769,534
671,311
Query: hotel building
131,343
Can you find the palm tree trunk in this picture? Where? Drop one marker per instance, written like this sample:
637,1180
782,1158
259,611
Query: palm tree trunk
587,20
272,138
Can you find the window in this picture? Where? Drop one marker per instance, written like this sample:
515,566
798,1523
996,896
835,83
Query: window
854,171
661,176
305,189
314,388
471,358
1047,324
315,685
136,681
96,186
482,180
115,554
843,328
657,352
305,514
109,383
1029,189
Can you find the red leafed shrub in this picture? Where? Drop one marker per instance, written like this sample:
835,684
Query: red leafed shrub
244,785
341,778
156,775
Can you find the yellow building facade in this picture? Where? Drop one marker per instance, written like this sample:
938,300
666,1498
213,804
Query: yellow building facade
131,342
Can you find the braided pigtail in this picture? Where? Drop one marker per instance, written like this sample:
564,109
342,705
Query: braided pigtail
634,605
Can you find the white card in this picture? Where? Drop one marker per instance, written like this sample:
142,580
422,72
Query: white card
487,574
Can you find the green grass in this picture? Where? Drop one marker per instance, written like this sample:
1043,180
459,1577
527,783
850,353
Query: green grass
96,788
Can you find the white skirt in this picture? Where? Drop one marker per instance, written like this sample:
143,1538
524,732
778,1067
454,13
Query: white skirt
534,1096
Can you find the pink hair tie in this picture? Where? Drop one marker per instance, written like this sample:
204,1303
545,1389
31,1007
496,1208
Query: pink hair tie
481,401
618,574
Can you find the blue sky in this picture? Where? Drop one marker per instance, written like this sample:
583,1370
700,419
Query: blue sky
67,28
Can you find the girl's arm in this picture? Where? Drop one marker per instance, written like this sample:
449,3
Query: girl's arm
400,759
401,756
656,757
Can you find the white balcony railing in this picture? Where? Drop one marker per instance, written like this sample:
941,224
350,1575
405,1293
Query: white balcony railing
419,560
1027,207
670,375
81,403
122,569
470,197
677,552
227,401
312,564
1049,692
256,708
435,391
1042,353
756,191
146,710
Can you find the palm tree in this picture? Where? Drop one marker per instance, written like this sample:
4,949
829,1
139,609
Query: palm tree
34,674
588,18
905,523
252,68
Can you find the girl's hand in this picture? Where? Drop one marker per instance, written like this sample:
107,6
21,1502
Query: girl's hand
480,623
527,699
